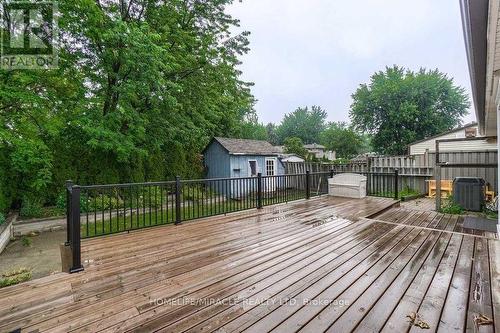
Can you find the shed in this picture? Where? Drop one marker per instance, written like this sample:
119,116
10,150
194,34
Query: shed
236,158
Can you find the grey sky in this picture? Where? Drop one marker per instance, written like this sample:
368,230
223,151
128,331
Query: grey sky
306,52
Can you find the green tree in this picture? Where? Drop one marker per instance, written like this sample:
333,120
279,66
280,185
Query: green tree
141,87
303,123
341,138
295,146
399,107
272,134
252,129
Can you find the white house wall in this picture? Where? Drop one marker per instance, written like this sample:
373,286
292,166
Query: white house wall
421,147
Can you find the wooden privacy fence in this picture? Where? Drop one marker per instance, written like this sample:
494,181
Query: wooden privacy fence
415,170
302,167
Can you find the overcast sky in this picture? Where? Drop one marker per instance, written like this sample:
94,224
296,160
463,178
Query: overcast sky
317,52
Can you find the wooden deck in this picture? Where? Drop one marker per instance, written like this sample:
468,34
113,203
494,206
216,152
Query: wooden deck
421,204
430,219
310,266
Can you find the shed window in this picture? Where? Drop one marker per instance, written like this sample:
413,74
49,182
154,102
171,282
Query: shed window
253,168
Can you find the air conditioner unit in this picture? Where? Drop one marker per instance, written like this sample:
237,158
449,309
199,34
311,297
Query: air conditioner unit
469,193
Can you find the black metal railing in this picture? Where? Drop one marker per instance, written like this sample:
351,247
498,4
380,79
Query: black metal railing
98,210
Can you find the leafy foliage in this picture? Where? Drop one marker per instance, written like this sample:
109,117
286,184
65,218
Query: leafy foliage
399,107
304,123
295,146
252,129
272,135
451,207
31,208
26,241
141,88
343,139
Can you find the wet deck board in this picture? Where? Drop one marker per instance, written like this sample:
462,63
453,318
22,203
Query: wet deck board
309,266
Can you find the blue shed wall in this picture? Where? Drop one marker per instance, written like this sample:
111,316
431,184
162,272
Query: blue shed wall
217,161
239,165
220,164
240,168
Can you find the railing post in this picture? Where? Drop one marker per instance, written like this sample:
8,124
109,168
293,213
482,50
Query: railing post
396,184
308,184
69,185
178,218
437,177
259,190
75,231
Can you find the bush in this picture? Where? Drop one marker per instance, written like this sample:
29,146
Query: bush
451,207
31,208
61,201
99,203
26,241
2,219
196,192
408,192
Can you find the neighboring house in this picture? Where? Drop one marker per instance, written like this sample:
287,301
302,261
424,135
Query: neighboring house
294,158
291,158
235,158
319,151
467,131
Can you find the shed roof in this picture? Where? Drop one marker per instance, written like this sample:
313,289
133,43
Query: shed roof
247,147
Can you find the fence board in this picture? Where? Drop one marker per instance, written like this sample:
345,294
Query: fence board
416,165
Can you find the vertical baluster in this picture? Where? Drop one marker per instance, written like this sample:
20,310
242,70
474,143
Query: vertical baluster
160,187
102,211
156,204
95,212
86,207
137,205
130,207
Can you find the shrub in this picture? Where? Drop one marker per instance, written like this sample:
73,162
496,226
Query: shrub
61,200
408,192
31,208
451,207
2,219
149,197
99,203
26,241
196,192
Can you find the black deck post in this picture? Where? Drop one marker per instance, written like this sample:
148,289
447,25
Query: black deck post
75,241
308,184
437,177
69,185
178,218
396,184
259,190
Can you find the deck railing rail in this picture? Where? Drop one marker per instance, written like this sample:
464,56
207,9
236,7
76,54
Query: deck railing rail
98,210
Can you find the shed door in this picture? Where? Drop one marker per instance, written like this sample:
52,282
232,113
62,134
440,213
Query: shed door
270,171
